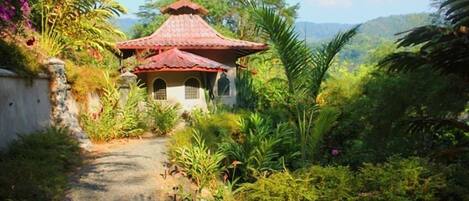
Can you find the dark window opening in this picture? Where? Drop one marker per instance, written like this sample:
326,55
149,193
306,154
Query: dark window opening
159,89
223,86
192,86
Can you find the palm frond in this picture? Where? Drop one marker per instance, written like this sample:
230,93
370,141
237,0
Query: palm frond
442,49
323,58
322,125
294,54
457,12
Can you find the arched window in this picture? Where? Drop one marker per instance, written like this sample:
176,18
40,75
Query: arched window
192,86
159,89
223,85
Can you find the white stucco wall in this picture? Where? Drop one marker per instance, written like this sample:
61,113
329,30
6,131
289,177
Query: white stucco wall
175,88
25,106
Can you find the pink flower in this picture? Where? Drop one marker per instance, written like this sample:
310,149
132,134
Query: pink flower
335,152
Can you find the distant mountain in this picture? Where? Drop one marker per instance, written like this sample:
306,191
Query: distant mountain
372,35
125,24
388,27
319,31
383,27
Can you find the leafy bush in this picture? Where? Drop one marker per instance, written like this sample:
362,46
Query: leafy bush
399,179
215,127
163,117
199,162
181,138
19,59
375,125
114,121
278,187
36,166
84,80
458,182
261,148
130,113
315,183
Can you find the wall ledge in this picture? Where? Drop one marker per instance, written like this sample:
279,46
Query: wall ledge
8,73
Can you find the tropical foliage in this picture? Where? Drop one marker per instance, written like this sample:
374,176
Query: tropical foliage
77,25
116,120
309,128
398,179
162,117
37,165
199,162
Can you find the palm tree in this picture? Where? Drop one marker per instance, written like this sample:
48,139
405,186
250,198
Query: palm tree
305,71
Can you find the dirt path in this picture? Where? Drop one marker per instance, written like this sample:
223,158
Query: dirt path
130,170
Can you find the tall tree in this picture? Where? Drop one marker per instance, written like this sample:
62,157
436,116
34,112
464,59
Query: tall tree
305,71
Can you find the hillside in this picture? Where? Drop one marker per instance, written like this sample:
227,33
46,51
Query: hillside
373,34
319,31
383,27
125,24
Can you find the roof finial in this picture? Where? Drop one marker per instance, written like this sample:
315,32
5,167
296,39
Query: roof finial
184,7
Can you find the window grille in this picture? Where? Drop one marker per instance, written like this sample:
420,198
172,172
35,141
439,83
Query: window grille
223,86
192,86
159,89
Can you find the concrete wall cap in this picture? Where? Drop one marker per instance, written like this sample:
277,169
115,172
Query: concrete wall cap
7,73
53,60
128,74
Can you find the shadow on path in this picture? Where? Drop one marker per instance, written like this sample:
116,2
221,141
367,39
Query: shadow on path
126,172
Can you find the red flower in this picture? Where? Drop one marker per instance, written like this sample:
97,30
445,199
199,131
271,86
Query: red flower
31,41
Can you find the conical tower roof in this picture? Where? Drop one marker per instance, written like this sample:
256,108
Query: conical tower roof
184,7
185,29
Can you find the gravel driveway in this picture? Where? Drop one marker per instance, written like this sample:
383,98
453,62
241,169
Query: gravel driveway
126,171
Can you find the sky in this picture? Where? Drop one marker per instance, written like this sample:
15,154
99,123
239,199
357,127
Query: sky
337,11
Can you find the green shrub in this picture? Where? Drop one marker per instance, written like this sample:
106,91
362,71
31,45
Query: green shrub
163,117
130,113
215,127
278,187
260,147
114,121
19,59
399,179
199,162
314,183
84,80
458,182
36,166
181,138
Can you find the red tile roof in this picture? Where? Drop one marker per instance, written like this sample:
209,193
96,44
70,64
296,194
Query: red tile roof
177,60
189,32
184,6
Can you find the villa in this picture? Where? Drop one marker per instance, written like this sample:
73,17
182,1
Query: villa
186,61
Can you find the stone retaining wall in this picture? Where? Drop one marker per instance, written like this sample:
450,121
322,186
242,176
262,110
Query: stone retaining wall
29,105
